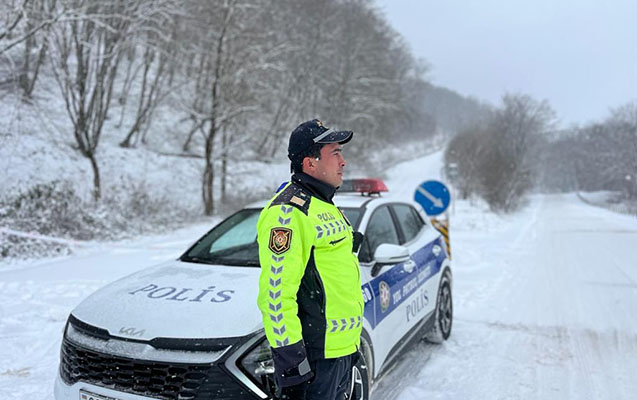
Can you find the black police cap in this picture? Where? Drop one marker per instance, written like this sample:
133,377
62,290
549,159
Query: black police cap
311,132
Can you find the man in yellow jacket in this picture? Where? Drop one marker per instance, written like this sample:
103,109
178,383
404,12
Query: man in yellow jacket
310,287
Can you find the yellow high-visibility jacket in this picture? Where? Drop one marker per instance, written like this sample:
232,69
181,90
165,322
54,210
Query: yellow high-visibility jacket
310,286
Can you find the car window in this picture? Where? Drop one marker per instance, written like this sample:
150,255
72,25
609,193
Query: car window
380,229
352,215
408,220
232,242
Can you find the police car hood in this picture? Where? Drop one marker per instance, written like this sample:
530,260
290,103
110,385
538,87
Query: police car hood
177,300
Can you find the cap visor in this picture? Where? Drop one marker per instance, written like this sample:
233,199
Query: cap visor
340,137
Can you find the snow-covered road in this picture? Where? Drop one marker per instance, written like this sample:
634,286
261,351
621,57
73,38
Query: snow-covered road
545,304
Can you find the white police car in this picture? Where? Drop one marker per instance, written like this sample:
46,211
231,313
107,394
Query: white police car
190,328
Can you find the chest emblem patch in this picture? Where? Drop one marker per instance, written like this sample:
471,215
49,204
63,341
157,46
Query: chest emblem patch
280,239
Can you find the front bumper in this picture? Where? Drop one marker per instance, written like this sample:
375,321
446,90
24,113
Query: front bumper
113,369
62,391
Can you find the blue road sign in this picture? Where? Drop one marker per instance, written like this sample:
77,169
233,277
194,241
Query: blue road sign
433,196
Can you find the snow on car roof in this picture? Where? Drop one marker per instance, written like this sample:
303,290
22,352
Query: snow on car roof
351,199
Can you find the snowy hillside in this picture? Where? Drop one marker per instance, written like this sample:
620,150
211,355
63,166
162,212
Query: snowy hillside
147,189
544,303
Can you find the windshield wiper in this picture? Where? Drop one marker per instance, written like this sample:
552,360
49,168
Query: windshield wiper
238,262
197,260
222,261
236,249
249,263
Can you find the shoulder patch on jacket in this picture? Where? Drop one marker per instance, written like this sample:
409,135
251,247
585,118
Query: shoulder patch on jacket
280,239
295,196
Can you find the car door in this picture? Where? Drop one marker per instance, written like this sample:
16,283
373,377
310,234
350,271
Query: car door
390,323
419,293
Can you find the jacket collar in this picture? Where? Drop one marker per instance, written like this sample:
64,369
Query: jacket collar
314,186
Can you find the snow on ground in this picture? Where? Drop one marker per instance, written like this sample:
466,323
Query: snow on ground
37,147
545,303
614,201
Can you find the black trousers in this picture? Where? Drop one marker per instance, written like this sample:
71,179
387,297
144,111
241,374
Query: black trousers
331,381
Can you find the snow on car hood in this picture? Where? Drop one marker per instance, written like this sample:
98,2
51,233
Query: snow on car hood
177,300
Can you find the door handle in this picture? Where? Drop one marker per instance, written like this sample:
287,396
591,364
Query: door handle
409,266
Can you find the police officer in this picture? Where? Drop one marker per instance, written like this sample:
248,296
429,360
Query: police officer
310,288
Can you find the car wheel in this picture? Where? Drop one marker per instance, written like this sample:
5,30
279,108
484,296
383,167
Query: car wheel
360,381
444,313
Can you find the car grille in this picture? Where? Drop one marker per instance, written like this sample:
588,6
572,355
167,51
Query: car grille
148,378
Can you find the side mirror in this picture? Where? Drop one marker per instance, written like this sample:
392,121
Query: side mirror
386,254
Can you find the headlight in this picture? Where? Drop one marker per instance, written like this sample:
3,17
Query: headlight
258,365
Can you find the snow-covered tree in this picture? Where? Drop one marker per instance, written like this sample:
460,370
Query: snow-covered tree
85,56
499,160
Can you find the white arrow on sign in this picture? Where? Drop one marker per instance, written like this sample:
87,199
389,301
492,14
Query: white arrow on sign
437,202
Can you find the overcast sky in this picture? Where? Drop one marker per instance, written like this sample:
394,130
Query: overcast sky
580,55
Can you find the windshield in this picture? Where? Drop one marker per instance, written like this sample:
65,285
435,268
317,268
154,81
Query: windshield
232,242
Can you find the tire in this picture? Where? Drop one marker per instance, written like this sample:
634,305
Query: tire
444,313
361,376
